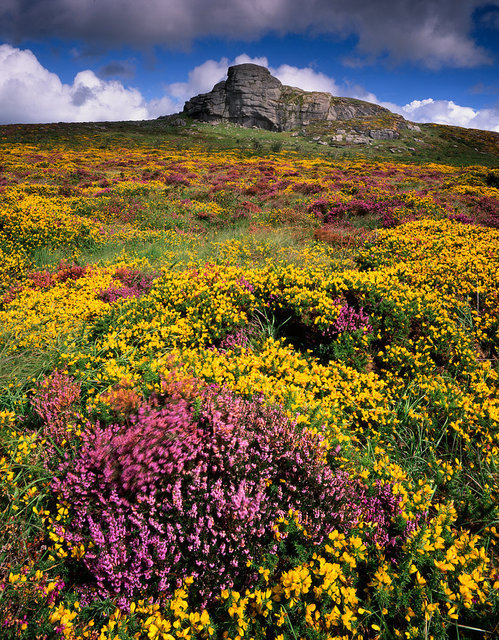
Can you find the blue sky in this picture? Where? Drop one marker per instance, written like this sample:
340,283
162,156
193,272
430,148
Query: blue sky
83,60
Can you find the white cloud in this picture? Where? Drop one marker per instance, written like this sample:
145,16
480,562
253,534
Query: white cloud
163,106
448,112
305,78
243,58
200,80
443,111
30,93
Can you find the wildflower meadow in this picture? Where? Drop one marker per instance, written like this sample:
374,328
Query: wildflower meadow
245,393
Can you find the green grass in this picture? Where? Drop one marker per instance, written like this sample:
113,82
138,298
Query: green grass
433,143
26,365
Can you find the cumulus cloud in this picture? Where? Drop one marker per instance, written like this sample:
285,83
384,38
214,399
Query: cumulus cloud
443,111
201,79
30,93
448,112
432,33
163,107
305,78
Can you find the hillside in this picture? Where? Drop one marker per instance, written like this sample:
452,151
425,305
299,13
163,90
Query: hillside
249,382
252,98
456,146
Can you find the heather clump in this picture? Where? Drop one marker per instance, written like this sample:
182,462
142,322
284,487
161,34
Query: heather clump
341,234
121,400
196,490
382,517
350,319
65,271
355,207
240,338
486,210
56,402
132,284
319,208
461,217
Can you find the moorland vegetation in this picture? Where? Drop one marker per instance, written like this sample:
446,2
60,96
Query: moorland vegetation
248,389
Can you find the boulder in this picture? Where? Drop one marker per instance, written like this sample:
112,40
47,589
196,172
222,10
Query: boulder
357,139
384,134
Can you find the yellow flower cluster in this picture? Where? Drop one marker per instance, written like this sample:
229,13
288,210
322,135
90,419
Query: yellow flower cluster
40,318
35,221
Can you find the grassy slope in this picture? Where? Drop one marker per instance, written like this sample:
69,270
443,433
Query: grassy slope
434,143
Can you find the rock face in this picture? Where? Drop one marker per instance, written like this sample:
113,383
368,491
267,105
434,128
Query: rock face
252,97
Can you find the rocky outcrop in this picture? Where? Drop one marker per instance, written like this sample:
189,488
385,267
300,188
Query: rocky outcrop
252,97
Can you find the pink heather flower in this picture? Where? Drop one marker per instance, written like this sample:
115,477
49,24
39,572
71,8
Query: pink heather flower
196,489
